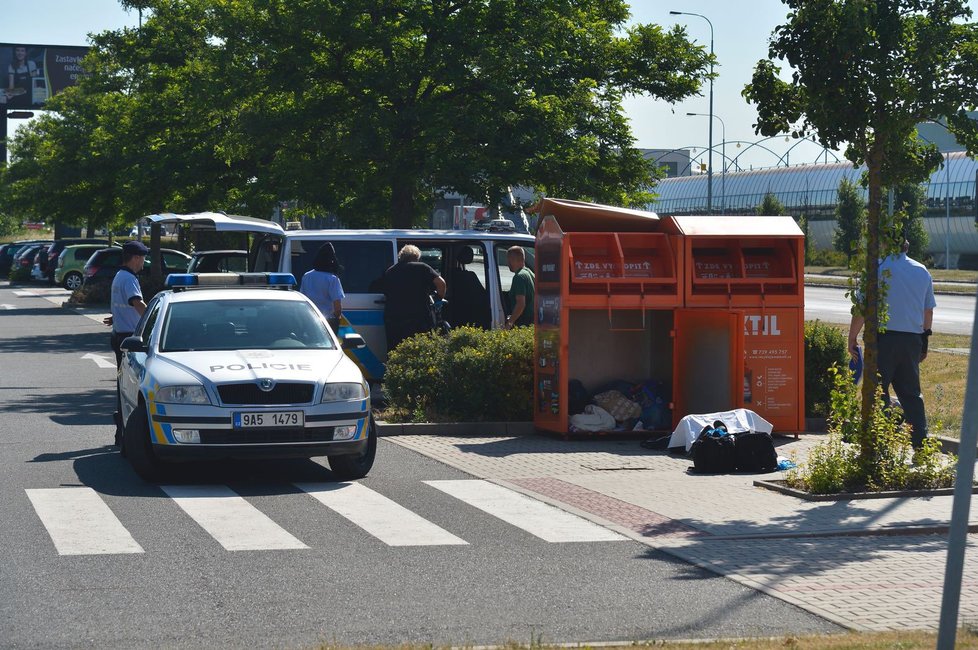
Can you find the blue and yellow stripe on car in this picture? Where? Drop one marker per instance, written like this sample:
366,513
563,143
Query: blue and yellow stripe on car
162,432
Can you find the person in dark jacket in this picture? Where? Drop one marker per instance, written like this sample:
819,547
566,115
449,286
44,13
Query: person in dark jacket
468,302
408,286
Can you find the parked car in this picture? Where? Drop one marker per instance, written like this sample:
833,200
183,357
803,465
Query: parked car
69,271
494,225
219,261
9,251
186,393
59,245
25,258
104,264
39,268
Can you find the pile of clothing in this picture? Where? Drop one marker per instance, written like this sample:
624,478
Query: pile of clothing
619,406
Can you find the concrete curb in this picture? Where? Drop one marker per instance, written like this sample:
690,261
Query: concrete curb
779,486
948,445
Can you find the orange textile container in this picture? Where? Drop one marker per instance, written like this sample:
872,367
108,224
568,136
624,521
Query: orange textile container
607,283
708,309
754,267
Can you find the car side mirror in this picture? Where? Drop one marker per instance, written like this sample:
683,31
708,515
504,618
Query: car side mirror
133,344
352,341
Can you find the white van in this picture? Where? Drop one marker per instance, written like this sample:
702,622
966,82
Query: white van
475,298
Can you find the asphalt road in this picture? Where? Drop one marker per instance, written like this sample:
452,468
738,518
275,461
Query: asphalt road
955,314
170,579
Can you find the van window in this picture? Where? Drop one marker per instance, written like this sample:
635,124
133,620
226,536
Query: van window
361,261
505,275
468,297
266,258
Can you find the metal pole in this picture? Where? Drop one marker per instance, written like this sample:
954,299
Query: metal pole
709,168
947,210
723,155
957,537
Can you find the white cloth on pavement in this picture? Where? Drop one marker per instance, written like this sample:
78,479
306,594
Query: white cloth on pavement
737,420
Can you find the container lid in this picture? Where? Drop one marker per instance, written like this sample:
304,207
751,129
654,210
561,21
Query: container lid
581,216
734,226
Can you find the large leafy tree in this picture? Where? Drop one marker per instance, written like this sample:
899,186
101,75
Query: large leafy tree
863,74
368,108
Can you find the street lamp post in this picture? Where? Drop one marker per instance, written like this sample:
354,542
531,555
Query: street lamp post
947,210
723,156
709,168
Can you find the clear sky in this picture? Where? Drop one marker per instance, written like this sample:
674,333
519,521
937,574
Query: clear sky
741,29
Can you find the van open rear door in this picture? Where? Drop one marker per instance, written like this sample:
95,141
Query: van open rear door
263,235
216,221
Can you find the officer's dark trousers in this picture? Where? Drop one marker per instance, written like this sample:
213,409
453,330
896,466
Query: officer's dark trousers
899,365
115,342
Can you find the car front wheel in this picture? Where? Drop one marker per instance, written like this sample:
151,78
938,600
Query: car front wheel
72,281
352,467
139,448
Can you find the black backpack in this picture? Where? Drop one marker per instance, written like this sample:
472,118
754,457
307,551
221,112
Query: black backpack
755,452
714,450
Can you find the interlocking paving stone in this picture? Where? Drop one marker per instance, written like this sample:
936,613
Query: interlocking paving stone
852,572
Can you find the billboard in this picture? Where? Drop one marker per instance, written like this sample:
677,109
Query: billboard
30,74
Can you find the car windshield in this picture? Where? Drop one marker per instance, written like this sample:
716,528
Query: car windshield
243,324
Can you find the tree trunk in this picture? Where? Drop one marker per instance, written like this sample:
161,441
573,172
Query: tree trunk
402,204
874,165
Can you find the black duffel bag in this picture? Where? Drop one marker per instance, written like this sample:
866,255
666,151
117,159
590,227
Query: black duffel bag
714,451
755,452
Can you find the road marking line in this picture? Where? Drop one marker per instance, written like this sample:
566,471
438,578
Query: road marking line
233,522
535,517
100,361
80,522
386,520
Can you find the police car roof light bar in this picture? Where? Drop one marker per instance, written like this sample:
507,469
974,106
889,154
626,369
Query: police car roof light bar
182,281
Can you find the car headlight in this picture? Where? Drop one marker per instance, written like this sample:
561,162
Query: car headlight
343,392
182,395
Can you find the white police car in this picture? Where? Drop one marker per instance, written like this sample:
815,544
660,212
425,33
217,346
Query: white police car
224,366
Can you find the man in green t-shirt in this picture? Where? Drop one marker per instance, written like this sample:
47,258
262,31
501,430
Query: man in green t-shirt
522,290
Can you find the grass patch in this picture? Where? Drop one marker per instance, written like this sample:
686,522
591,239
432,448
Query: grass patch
939,275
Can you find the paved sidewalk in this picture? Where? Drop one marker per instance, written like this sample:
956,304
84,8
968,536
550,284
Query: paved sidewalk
869,564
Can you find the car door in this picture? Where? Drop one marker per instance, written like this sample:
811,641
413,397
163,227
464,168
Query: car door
133,364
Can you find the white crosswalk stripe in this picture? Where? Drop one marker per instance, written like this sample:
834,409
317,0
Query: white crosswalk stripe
386,520
80,522
535,517
233,522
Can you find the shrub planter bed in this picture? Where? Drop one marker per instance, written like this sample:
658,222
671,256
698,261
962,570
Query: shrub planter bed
779,486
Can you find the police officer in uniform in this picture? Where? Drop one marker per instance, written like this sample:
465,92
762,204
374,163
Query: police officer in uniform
127,306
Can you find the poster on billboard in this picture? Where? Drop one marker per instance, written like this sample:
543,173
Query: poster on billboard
31,74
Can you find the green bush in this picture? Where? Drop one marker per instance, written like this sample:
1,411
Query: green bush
825,346
470,375
835,465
